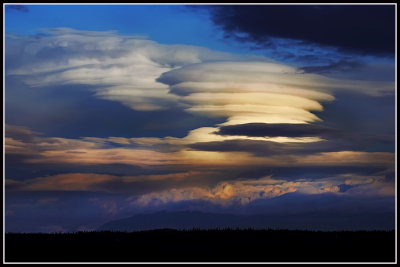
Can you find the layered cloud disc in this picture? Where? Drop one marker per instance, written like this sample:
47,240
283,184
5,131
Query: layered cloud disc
247,91
147,76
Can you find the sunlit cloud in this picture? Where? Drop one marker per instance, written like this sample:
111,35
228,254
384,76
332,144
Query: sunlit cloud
147,76
245,191
95,151
228,192
95,182
235,89
119,68
249,91
259,92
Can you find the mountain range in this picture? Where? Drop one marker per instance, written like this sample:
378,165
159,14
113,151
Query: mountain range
201,220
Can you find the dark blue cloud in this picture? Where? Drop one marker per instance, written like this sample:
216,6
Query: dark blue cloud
311,172
268,148
358,113
318,172
274,130
363,29
339,66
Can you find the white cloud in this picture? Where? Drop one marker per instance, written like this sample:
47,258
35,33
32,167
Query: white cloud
120,68
260,92
145,76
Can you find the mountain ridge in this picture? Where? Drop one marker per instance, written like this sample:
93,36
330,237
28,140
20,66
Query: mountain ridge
322,221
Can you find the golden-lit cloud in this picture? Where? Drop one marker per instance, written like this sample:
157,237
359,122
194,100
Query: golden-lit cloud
245,191
225,192
66,182
237,191
94,182
258,91
349,158
13,146
247,92
89,151
209,134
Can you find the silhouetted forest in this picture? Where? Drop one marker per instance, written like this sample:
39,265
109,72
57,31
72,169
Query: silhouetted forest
227,245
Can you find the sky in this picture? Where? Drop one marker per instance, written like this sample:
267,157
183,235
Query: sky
117,110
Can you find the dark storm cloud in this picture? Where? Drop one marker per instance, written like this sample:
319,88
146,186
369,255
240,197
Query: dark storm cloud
21,8
365,29
278,129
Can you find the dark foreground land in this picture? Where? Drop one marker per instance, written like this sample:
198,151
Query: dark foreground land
202,246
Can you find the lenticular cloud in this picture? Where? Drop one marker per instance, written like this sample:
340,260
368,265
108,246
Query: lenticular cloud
146,76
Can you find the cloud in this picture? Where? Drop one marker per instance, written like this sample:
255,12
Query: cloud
119,68
380,69
247,91
274,130
245,191
19,132
100,182
339,66
147,76
109,206
260,92
13,146
91,151
347,158
11,185
267,114
65,182
375,188
331,141
226,192
269,148
363,29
